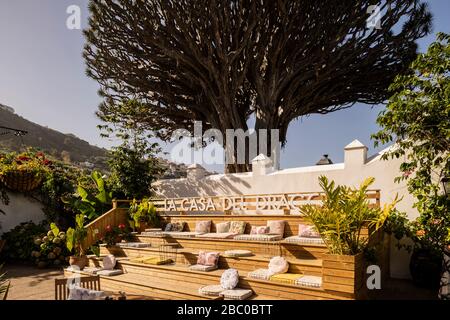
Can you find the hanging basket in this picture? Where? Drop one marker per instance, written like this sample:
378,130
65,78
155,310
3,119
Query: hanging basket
21,181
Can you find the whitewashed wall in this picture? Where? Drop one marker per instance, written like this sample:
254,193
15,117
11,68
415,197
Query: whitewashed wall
356,167
20,209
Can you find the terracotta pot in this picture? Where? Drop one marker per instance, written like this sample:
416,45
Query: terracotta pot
80,262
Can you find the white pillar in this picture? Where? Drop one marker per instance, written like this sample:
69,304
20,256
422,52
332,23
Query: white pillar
262,165
355,154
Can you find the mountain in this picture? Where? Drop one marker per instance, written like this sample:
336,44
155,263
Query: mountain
62,146
66,147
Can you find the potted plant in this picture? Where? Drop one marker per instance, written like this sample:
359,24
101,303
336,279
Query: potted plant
116,234
143,214
23,172
74,241
346,222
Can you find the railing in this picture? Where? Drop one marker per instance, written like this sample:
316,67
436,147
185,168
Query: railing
113,217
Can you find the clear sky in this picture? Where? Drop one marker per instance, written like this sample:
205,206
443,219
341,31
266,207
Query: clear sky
42,76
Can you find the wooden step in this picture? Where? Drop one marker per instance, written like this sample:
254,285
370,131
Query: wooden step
168,277
289,250
242,264
131,284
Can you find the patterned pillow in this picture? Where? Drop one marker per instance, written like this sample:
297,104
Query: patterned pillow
307,231
259,230
201,258
208,258
203,226
168,227
223,227
212,258
276,226
237,227
178,226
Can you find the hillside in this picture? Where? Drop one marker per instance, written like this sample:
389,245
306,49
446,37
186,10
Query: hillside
62,146
65,147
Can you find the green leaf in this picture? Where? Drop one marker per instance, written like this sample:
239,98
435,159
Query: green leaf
54,229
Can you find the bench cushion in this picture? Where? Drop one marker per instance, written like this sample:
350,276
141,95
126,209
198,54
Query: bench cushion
287,278
134,244
110,273
260,274
303,240
237,294
217,235
201,267
258,237
211,290
238,253
309,281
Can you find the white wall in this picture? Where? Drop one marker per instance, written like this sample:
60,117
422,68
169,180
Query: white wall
20,209
353,171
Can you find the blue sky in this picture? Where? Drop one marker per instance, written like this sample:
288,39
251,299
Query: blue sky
42,76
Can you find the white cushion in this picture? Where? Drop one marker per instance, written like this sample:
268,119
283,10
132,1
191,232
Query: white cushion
229,279
238,253
278,265
258,237
201,267
110,273
309,281
211,290
236,294
78,293
92,270
109,262
303,240
261,274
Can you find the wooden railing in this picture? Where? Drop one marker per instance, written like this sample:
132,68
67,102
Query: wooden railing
96,228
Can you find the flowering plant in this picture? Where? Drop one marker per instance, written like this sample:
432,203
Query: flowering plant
29,161
114,234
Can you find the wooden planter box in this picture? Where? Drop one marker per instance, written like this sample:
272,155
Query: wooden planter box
346,274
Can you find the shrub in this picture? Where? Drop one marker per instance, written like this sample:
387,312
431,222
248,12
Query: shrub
343,215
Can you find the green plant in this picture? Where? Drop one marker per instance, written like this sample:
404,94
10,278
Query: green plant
75,236
417,119
20,241
133,164
91,203
143,211
50,248
4,285
343,214
29,161
60,183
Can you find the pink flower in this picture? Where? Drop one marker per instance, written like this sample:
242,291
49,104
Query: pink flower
406,174
108,228
121,226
